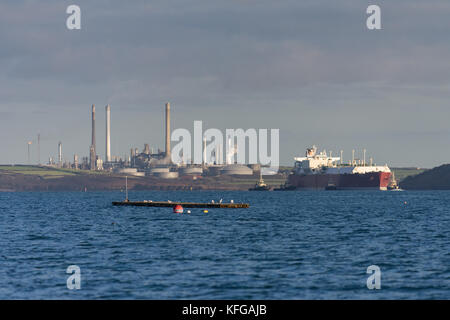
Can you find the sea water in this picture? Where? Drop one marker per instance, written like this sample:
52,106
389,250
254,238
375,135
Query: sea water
287,245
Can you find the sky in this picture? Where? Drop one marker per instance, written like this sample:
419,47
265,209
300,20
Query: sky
309,68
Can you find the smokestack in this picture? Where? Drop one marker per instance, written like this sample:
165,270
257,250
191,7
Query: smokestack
168,156
29,144
75,161
93,154
39,149
93,126
108,133
60,154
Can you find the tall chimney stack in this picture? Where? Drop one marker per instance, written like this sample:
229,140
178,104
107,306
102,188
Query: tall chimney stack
108,133
39,149
60,159
93,126
168,156
93,154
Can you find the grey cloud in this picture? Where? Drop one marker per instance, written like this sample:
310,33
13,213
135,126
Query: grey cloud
309,68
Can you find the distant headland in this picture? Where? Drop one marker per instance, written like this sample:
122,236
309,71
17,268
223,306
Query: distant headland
434,179
44,178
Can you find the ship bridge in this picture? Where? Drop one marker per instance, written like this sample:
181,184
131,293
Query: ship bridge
314,160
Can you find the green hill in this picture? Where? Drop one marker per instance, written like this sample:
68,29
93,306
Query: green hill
434,179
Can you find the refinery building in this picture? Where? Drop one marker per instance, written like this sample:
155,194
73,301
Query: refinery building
147,162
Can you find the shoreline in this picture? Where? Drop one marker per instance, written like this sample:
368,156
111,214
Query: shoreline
39,179
21,178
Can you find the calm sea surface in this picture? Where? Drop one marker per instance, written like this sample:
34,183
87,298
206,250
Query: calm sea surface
288,245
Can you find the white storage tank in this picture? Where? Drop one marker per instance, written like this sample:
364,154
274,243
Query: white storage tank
236,169
166,175
191,171
125,170
156,170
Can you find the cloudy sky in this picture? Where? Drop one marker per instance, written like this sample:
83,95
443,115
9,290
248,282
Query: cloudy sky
310,68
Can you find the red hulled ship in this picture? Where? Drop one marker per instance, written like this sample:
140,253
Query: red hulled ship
319,171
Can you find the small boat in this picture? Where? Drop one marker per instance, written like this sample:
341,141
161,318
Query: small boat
260,185
393,185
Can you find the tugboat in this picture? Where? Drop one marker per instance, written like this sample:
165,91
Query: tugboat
393,185
260,185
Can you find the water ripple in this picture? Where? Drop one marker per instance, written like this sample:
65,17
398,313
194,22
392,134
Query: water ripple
288,245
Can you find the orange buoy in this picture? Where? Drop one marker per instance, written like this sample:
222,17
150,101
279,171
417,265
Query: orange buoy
178,209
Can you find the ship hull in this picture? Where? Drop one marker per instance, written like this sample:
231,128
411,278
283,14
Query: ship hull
365,181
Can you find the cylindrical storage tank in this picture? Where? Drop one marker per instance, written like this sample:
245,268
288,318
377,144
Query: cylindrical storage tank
191,171
139,174
154,171
255,167
236,169
166,175
214,170
125,171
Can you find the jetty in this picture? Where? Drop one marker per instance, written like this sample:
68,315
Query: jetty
173,204
170,204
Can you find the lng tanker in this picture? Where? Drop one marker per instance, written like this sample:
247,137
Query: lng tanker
320,171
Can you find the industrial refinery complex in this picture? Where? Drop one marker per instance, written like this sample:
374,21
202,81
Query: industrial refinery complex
317,171
146,162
